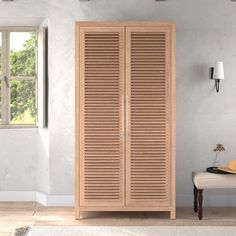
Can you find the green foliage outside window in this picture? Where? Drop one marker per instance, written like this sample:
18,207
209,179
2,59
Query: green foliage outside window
22,105
0,59
22,62
22,92
0,83
0,102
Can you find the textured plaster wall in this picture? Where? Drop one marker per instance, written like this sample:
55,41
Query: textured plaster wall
206,32
17,162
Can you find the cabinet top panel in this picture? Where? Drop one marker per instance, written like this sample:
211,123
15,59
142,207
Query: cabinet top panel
124,23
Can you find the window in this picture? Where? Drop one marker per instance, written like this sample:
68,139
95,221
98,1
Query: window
18,53
0,77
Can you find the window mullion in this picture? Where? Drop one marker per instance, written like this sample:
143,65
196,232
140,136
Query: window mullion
7,68
22,78
5,91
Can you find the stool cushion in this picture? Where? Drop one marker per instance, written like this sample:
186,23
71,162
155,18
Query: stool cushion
206,180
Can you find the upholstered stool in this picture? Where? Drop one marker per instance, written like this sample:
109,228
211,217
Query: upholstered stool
205,180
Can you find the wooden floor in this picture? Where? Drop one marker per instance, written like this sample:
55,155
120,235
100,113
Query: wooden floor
13,215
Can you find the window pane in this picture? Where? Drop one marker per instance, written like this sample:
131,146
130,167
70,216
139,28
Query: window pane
0,101
22,53
22,104
0,55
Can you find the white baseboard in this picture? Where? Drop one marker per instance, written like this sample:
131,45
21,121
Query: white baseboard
17,196
35,196
55,200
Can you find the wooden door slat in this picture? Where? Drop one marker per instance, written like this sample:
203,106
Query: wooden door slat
101,117
148,120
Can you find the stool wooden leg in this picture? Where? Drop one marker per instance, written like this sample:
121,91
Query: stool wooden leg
195,193
200,204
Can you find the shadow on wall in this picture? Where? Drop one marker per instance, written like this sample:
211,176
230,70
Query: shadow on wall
201,76
201,70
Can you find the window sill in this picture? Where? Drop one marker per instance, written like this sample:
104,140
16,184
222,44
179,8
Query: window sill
18,126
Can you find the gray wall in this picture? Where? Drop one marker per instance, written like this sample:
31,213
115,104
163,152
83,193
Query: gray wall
206,32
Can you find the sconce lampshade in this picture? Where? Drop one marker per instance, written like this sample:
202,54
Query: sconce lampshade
218,70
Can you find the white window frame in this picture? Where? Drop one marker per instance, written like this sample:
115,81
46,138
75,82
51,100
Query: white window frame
5,31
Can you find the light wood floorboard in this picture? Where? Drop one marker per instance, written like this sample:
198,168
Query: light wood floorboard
13,215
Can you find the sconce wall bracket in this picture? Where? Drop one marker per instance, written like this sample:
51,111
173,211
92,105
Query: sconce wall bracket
212,72
217,81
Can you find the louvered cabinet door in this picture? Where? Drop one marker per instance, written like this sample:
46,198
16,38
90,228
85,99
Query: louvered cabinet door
101,116
148,116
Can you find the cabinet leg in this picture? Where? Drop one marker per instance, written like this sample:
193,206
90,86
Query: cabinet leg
195,193
77,215
173,214
200,204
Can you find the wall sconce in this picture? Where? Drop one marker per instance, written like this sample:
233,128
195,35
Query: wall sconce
217,73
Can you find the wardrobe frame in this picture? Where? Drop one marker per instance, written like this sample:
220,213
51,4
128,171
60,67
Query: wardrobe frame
172,207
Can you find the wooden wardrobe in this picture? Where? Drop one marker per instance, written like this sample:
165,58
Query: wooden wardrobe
125,116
